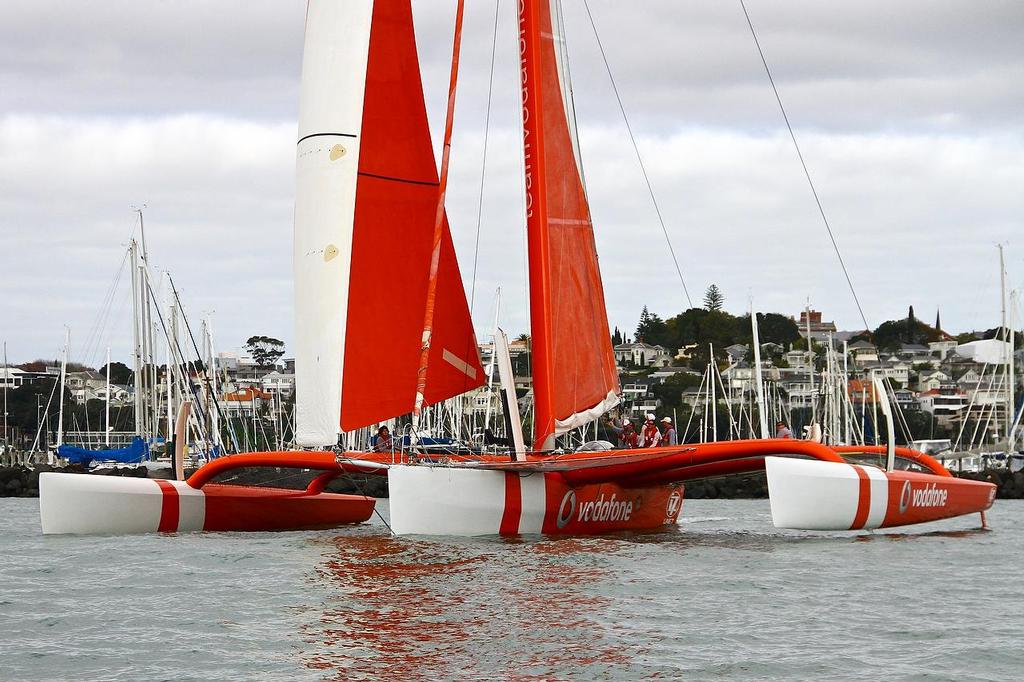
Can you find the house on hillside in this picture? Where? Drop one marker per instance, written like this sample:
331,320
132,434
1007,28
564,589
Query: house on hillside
12,377
927,381
820,331
83,386
863,352
640,354
737,352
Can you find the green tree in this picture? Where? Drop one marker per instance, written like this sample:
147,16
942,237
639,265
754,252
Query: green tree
773,328
120,373
265,350
671,390
645,318
713,298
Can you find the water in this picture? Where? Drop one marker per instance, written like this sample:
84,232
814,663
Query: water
723,596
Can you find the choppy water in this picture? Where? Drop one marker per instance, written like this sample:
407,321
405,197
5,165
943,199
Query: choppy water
723,596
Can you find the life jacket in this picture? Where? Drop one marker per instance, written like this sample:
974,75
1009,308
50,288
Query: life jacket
628,438
651,435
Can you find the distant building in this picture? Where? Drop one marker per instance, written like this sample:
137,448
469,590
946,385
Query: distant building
642,354
820,331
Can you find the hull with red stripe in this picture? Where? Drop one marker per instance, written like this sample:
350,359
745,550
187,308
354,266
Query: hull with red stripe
815,495
85,504
448,500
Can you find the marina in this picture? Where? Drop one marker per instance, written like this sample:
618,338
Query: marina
431,439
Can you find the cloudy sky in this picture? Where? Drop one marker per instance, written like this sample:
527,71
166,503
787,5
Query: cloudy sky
909,115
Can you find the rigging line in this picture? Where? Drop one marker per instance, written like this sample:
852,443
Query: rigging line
803,164
199,355
483,165
639,158
180,354
99,324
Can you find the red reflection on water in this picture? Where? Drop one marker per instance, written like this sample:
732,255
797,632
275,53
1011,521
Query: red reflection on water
409,609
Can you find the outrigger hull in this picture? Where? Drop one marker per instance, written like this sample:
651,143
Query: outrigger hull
816,495
84,504
445,500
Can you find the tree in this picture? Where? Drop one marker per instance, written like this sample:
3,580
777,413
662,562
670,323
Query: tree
120,373
774,328
265,350
645,318
617,337
652,329
713,298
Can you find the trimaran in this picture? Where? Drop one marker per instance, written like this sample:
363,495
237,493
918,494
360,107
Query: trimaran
367,184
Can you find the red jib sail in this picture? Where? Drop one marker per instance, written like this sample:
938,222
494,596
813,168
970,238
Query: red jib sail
366,198
574,375
396,203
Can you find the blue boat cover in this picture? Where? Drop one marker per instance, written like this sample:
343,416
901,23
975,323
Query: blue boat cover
137,452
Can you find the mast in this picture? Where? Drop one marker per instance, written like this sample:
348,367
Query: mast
63,383
712,370
574,378
846,396
1011,398
534,168
435,251
810,360
494,356
7,379
761,407
106,406
133,250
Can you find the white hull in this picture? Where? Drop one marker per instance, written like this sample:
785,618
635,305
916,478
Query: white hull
461,501
815,495
428,500
117,505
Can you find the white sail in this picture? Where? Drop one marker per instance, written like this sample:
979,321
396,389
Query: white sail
330,120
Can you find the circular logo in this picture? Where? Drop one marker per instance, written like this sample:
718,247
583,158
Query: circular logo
905,497
674,501
566,509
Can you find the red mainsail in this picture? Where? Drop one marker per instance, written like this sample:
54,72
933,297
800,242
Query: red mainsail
396,203
574,374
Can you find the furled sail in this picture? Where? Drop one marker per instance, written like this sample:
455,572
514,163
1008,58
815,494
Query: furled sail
574,374
365,205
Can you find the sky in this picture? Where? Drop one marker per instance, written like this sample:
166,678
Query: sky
908,115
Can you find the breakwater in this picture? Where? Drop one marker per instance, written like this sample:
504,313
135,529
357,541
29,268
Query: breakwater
24,482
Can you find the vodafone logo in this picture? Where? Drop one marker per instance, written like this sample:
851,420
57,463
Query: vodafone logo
930,496
566,509
675,500
905,497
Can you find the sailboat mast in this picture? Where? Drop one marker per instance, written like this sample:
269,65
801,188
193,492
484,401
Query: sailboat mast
7,379
1011,398
435,253
63,383
537,246
494,357
762,408
106,406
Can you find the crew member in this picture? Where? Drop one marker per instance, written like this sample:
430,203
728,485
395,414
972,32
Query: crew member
668,436
782,431
626,434
383,441
650,436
